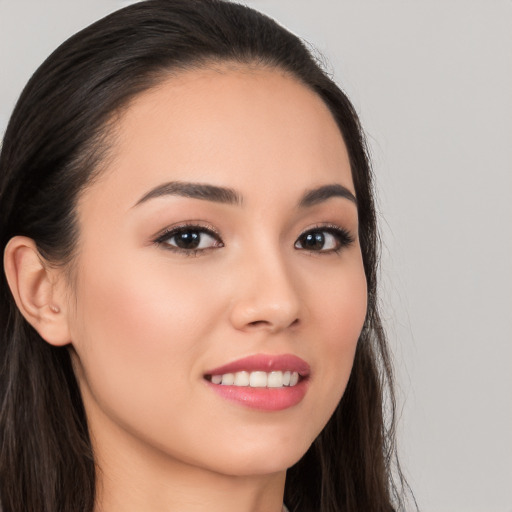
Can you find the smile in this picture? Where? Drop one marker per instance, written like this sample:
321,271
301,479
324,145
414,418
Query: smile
257,379
263,382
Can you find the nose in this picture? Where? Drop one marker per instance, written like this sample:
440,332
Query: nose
266,295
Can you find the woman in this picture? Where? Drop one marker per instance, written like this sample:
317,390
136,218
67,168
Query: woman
189,314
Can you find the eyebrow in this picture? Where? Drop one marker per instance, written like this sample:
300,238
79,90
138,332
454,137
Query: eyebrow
226,195
325,192
195,191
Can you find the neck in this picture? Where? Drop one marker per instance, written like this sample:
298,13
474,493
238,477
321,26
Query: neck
190,494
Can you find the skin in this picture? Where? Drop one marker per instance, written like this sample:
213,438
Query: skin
145,323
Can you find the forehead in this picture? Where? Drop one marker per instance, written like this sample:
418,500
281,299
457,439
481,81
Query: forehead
245,127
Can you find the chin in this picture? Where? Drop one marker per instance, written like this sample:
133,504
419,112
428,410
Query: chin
261,460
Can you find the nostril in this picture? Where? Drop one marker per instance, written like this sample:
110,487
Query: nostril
258,323
264,323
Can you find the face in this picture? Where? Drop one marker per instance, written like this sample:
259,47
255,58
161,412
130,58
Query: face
220,245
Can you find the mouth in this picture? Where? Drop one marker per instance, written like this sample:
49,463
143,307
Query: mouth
257,379
264,382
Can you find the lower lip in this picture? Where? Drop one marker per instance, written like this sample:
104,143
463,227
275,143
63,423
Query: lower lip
263,399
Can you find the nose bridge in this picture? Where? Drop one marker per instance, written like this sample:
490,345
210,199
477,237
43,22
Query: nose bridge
267,292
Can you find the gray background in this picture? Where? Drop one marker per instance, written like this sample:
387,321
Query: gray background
432,81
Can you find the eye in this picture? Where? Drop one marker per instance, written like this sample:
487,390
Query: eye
324,239
189,239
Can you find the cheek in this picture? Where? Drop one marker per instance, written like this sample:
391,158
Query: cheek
341,311
138,336
144,305
346,306
340,305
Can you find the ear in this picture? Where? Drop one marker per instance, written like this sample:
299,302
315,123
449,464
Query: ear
37,289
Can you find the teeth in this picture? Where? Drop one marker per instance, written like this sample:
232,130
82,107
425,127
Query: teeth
228,379
241,378
275,380
258,379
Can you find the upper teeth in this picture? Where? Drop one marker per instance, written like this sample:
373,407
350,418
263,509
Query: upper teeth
257,379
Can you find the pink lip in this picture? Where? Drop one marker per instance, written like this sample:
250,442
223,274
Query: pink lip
264,363
264,399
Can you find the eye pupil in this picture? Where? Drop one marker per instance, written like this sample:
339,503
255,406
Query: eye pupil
188,239
313,240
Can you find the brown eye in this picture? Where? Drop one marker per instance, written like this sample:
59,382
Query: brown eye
193,238
187,239
313,241
324,240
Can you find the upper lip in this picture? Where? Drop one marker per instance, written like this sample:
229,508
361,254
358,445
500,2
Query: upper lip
264,363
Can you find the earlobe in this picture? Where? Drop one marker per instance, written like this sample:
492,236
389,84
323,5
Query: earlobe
34,287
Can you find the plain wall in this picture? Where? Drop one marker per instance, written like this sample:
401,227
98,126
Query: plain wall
432,81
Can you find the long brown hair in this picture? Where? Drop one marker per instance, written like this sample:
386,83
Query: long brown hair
55,142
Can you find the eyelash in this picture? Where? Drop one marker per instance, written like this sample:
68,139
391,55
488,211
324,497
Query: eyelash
183,228
342,236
